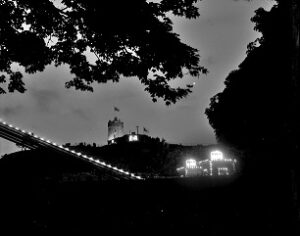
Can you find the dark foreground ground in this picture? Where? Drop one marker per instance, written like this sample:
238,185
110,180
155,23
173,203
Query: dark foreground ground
170,206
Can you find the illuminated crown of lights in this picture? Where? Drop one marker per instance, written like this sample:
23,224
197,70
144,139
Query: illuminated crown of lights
78,154
215,157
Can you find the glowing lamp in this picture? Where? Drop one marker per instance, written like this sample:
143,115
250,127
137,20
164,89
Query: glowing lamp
190,163
216,156
133,137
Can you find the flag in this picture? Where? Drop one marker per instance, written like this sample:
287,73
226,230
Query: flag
116,109
145,130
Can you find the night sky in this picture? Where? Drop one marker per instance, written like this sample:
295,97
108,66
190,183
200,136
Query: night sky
221,33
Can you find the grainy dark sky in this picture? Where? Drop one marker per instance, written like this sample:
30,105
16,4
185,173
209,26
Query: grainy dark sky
221,33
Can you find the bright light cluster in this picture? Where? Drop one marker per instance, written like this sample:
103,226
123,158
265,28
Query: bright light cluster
217,164
78,154
133,137
223,171
216,156
191,163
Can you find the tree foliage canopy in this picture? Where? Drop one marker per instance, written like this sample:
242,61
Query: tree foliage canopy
128,38
257,107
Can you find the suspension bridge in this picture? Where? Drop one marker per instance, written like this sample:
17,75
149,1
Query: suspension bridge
32,141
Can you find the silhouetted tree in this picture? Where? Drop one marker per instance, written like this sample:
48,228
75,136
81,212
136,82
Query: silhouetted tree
257,105
128,38
258,110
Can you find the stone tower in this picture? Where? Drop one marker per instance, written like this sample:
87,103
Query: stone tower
115,129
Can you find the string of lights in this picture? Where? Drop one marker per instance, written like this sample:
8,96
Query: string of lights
49,143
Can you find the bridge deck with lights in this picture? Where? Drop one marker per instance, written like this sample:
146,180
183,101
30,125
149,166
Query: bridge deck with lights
32,141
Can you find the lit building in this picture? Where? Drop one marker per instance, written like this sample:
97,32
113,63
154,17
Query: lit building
216,165
191,168
133,137
115,129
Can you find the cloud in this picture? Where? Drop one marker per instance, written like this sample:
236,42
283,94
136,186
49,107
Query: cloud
44,98
80,113
10,111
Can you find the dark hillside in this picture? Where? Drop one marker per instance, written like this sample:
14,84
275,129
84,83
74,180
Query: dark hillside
35,199
201,206
40,165
152,158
